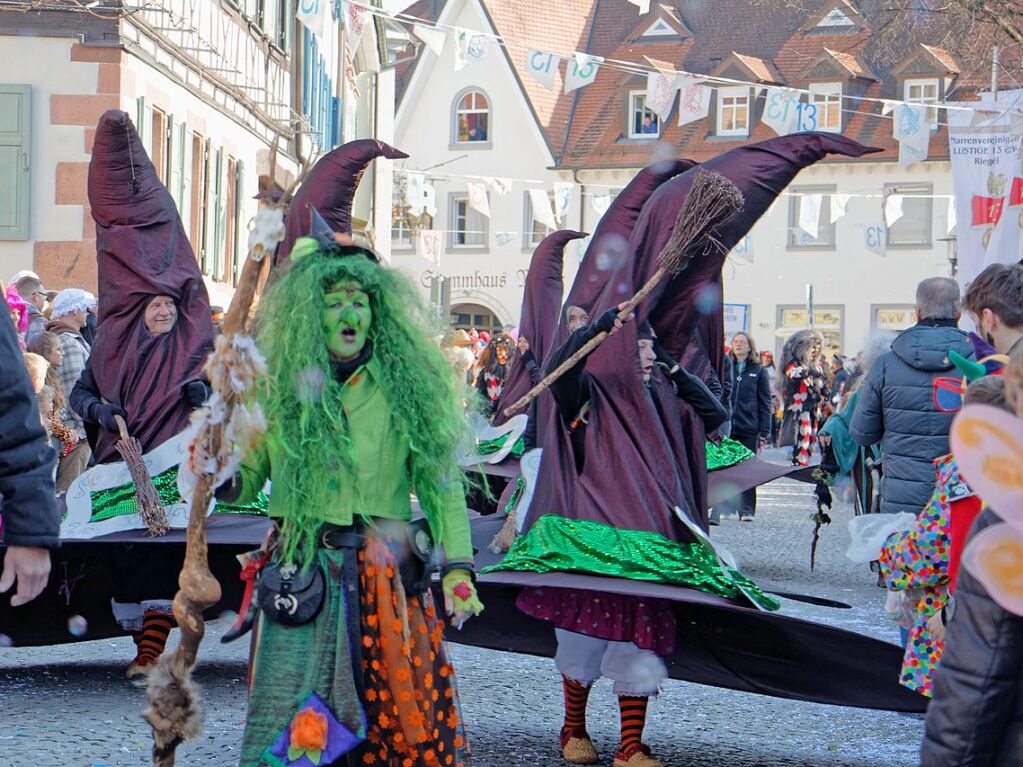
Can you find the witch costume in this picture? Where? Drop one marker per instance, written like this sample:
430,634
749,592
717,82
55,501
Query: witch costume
363,674
803,385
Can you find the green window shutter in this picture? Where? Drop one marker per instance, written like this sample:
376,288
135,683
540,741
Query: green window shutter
15,153
142,121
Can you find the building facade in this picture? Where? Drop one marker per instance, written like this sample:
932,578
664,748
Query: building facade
861,232
212,87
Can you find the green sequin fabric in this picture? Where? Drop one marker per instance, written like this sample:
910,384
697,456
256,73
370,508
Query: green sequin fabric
491,446
557,544
120,500
727,454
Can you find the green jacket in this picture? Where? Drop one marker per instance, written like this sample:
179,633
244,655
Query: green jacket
381,485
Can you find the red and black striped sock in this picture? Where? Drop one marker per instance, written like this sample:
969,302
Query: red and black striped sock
633,712
576,697
156,627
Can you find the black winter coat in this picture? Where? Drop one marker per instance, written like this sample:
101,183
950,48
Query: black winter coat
976,716
27,503
751,399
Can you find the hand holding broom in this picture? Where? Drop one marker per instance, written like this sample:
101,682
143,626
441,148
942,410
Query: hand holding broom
712,201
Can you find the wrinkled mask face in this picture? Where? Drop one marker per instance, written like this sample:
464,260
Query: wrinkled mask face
502,354
161,314
347,317
577,318
647,358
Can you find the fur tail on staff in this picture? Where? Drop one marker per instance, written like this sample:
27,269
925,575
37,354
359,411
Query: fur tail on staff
174,711
146,498
711,201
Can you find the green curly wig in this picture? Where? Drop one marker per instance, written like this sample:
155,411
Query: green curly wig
302,400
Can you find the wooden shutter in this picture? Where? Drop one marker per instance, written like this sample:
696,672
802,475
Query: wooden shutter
15,154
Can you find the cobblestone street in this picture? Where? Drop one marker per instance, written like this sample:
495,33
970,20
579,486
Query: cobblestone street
69,706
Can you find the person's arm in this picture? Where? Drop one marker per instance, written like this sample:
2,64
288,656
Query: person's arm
867,425
31,520
568,391
694,391
86,401
252,475
763,405
535,374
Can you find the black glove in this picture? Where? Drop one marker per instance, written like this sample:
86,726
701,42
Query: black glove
662,356
103,414
195,393
606,322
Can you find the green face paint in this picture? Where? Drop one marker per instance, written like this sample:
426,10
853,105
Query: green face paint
347,317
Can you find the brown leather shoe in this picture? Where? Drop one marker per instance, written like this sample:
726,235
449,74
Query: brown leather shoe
637,756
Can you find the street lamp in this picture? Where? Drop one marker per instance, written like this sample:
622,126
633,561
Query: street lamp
952,245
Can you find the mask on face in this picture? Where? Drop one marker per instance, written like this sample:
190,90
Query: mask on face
347,317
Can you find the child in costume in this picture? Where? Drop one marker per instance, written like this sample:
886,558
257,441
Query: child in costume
361,408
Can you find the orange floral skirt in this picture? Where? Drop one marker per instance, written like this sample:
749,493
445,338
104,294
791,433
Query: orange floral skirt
410,699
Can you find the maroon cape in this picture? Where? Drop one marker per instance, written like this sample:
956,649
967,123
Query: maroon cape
644,446
541,307
142,251
330,188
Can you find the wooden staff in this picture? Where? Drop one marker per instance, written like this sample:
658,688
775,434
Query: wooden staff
711,201
146,498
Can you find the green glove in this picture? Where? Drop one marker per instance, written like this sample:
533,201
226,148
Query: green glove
460,599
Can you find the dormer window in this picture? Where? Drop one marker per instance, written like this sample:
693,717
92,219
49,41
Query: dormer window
733,111
643,123
827,97
923,91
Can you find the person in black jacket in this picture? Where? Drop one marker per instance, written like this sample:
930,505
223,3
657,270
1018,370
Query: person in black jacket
751,413
31,521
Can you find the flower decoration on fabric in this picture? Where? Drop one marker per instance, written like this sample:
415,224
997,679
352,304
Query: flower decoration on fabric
313,737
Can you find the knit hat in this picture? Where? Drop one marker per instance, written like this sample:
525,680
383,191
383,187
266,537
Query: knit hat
71,300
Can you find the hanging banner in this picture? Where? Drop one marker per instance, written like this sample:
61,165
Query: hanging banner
600,203
643,5
911,130
810,214
478,197
693,100
414,183
660,93
394,7
470,48
839,206
543,67
356,20
432,37
431,244
502,186
503,238
875,238
562,198
781,110
316,16
581,71
541,205
743,250
893,209
987,179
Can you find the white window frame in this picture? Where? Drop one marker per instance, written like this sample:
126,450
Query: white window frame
729,101
456,213
457,112
827,97
636,103
913,92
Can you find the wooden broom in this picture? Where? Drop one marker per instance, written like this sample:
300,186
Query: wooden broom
711,202
146,498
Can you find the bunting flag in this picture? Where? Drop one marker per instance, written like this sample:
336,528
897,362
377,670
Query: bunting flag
503,238
694,100
470,48
356,20
893,209
781,110
543,67
430,199
502,186
394,7
743,250
643,5
541,205
414,183
432,37
562,198
910,129
660,93
875,238
478,199
431,244
600,203
316,16
810,214
839,206
581,71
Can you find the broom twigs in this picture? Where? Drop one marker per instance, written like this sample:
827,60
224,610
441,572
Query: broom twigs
712,201
147,500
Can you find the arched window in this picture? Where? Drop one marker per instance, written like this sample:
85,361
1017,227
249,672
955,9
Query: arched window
472,118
